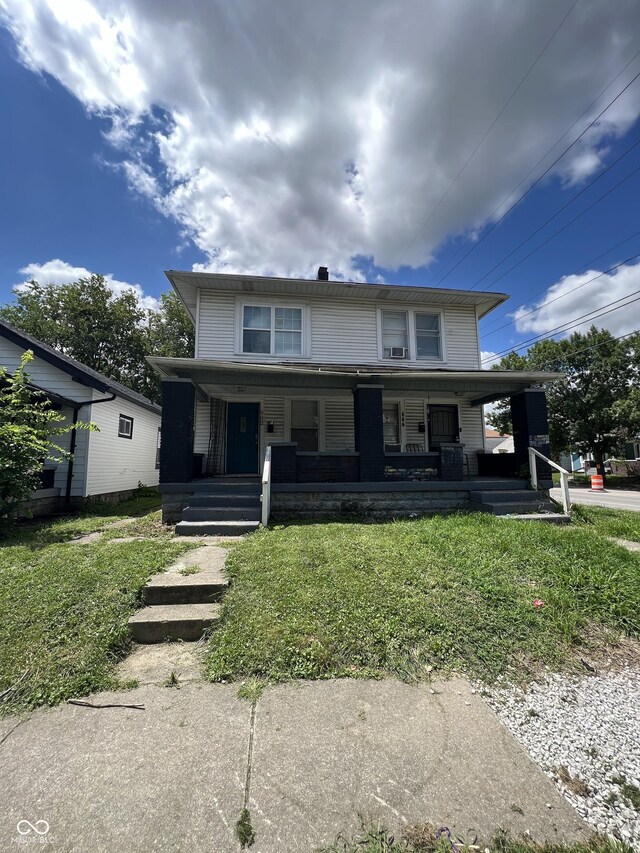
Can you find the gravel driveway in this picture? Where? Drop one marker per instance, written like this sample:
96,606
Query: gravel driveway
584,732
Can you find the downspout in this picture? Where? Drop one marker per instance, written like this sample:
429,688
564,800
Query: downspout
72,443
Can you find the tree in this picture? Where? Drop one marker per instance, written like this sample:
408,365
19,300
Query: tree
594,406
28,428
111,333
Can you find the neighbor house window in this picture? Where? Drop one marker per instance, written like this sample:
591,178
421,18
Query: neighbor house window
428,343
272,331
304,424
125,427
395,334
158,443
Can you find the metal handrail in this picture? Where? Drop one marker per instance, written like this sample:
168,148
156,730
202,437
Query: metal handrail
266,487
564,476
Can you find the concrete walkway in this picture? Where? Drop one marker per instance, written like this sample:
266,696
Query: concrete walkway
306,759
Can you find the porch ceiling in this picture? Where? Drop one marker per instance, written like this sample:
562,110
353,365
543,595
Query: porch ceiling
229,377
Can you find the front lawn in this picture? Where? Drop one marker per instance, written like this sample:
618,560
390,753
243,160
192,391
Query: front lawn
414,597
64,607
620,523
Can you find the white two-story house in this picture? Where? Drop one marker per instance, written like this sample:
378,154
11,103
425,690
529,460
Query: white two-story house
348,384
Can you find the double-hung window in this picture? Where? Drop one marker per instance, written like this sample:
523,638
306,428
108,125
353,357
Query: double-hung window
395,334
125,426
428,338
272,331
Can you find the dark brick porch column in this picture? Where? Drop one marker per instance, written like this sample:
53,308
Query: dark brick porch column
530,429
369,440
176,447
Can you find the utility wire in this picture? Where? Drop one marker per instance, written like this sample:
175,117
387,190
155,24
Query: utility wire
560,209
562,296
576,321
560,230
581,269
486,133
546,171
594,346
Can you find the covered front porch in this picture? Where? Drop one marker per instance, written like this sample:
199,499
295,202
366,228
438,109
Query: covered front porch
340,424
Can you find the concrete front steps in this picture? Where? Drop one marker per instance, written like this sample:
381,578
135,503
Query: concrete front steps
521,503
182,606
228,508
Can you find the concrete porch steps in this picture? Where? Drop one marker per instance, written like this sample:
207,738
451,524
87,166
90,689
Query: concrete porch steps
518,503
215,528
174,588
215,513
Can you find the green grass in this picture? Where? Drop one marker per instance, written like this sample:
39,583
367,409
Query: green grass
375,838
64,607
415,597
620,523
613,481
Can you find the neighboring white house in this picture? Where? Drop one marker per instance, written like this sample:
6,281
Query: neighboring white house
351,382
109,462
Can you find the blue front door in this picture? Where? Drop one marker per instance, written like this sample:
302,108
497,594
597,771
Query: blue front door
242,438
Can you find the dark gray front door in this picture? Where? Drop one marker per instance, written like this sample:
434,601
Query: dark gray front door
242,438
443,425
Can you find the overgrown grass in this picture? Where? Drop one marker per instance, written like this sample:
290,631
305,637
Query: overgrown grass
620,523
413,597
424,838
64,607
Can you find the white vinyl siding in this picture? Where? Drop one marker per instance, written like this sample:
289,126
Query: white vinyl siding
201,427
338,420
472,435
339,331
413,416
117,464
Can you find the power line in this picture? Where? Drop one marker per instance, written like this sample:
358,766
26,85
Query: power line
562,296
546,171
570,324
560,230
486,133
582,268
595,346
559,211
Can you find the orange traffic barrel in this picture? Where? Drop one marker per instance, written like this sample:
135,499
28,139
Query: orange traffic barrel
597,483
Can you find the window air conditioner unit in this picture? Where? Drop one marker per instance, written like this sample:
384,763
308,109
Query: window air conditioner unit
398,352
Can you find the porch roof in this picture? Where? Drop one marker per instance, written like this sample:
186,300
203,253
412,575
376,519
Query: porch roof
213,377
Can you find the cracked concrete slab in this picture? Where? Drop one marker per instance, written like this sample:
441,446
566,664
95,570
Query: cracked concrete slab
169,778
153,664
326,751
208,558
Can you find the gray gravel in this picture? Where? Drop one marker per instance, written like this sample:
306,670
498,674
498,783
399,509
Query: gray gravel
588,727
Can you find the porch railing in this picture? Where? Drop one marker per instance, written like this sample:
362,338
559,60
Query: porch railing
564,476
266,487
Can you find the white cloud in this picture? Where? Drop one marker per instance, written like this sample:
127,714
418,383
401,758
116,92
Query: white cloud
56,271
486,359
281,136
577,295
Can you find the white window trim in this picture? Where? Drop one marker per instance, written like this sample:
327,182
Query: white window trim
413,344
260,302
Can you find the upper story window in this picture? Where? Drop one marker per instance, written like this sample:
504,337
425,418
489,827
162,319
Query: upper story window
395,334
411,335
272,331
428,340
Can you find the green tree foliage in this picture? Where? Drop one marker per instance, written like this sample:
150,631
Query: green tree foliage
28,429
110,333
595,406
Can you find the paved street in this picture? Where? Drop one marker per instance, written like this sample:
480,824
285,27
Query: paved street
613,498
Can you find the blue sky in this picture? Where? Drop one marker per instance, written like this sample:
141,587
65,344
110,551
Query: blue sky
240,150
